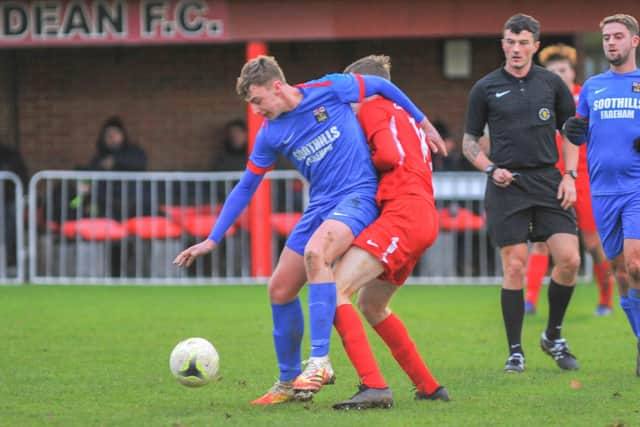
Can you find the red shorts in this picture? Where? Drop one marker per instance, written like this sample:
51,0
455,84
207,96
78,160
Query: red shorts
584,210
405,228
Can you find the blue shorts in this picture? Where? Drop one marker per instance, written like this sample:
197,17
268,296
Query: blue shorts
356,210
617,218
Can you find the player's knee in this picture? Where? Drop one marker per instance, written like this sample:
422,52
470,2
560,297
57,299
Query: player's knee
313,260
280,292
372,311
633,268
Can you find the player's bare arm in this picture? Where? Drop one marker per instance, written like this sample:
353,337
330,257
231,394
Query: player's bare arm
567,187
186,257
473,152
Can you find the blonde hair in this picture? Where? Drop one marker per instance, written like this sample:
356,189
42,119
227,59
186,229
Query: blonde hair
259,71
558,52
376,65
627,20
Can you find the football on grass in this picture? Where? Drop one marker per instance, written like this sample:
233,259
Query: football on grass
194,362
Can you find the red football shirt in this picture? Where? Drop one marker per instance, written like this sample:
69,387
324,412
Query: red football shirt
398,149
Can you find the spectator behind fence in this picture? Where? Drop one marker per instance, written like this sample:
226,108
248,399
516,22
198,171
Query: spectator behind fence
115,152
455,161
11,161
235,142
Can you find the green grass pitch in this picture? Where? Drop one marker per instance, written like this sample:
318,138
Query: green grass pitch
85,356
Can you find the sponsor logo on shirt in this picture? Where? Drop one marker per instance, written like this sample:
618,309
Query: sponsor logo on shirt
617,108
320,114
318,147
635,87
544,114
503,93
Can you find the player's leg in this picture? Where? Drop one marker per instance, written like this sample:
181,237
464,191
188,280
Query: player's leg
537,266
355,269
602,272
288,324
631,251
622,279
591,240
373,301
566,258
512,302
329,241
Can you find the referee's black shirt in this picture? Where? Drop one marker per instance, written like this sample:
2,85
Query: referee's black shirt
523,115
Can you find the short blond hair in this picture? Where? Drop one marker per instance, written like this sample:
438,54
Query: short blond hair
375,65
627,20
558,52
259,71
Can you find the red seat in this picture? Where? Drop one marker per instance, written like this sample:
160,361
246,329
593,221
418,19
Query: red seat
284,222
178,212
463,220
153,227
94,229
199,225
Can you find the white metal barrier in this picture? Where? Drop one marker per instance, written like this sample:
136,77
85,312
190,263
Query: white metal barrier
121,228
12,266
127,227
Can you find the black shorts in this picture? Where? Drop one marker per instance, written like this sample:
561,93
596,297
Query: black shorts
528,209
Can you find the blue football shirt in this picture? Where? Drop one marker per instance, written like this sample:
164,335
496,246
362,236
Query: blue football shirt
611,102
322,139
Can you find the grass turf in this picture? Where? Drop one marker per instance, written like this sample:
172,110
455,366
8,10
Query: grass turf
99,356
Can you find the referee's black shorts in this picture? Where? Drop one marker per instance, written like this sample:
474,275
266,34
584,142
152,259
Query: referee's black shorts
528,209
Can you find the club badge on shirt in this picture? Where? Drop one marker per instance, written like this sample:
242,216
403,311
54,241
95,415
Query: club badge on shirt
635,87
320,114
544,114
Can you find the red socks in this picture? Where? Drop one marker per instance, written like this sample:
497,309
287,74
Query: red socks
354,340
537,267
604,277
404,350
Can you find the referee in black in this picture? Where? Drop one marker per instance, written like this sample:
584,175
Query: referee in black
527,198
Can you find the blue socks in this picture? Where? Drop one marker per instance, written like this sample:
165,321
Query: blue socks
626,306
634,310
288,327
322,310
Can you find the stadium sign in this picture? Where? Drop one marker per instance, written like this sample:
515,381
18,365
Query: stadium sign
93,22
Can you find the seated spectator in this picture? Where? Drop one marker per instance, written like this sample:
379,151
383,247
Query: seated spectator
116,152
455,161
11,161
235,140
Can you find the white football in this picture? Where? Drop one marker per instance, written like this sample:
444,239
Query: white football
194,362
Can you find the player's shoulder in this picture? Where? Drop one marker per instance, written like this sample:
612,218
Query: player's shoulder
267,131
326,81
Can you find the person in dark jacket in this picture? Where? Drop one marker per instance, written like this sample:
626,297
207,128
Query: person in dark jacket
115,152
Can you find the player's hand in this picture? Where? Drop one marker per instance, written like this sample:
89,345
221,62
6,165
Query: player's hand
436,144
567,192
186,257
575,129
503,177
636,144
